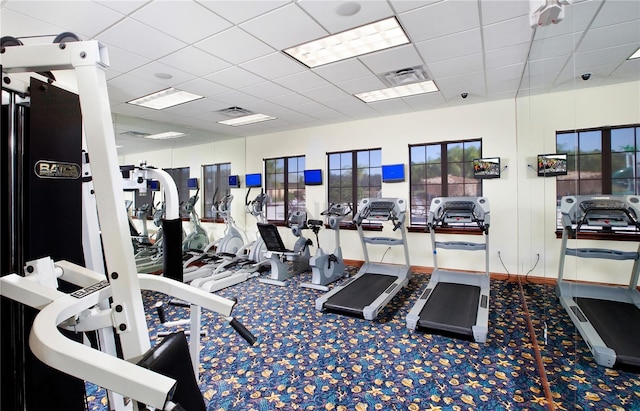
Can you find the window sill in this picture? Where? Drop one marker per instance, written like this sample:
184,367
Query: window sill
602,236
446,230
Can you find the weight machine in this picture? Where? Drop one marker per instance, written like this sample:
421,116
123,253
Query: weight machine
123,285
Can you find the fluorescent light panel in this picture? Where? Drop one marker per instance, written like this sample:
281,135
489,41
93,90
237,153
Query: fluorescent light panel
244,120
372,37
165,98
635,55
398,91
166,135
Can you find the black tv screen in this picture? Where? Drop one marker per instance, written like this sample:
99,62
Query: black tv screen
253,180
313,177
550,165
486,167
234,181
392,173
192,183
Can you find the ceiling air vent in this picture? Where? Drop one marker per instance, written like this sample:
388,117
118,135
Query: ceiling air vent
404,76
234,112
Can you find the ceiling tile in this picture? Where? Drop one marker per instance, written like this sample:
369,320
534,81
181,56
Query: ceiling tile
343,70
401,6
326,13
361,85
239,11
611,36
506,56
84,18
504,73
124,7
236,98
266,90
577,18
390,107
324,93
614,12
235,78
290,100
454,45
396,58
195,61
235,46
302,81
440,19
425,101
124,61
140,39
494,11
139,87
149,71
15,24
611,55
203,87
473,83
506,33
186,21
300,27
560,46
273,65
456,67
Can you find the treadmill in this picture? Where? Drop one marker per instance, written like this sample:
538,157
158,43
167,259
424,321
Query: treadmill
455,303
369,291
607,316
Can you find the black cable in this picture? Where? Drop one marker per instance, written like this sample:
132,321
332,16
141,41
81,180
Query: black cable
505,268
526,276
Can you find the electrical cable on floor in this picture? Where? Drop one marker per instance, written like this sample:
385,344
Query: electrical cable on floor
505,268
526,276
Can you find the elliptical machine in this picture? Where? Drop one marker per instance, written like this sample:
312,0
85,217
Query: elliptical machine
198,239
327,268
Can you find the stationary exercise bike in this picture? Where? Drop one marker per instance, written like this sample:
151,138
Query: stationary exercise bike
327,268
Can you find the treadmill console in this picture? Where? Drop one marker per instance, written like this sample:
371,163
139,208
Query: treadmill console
459,211
380,209
604,211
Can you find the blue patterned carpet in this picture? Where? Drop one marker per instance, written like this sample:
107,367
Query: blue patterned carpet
312,360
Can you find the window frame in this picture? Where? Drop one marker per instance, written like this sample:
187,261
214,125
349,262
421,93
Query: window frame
354,183
287,187
416,226
220,173
575,158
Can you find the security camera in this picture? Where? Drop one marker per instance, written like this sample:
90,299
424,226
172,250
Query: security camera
586,76
464,95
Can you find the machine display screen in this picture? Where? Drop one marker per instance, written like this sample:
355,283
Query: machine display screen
192,183
234,181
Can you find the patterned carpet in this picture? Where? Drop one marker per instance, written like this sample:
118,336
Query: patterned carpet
312,360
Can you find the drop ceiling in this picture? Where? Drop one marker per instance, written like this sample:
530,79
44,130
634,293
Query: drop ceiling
230,52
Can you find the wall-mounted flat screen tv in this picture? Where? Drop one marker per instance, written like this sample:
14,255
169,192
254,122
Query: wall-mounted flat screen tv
234,181
253,180
486,167
550,165
392,173
313,177
192,183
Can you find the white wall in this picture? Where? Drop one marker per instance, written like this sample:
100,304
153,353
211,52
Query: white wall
522,204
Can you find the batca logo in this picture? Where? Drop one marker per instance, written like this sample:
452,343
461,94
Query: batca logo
57,169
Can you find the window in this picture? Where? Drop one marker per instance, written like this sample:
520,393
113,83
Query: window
284,184
443,169
180,176
215,186
600,161
354,175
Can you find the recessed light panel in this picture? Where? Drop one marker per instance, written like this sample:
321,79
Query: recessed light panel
397,92
372,37
166,135
244,120
165,98
635,55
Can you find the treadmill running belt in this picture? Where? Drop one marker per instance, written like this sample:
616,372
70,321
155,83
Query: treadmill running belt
451,308
617,324
360,293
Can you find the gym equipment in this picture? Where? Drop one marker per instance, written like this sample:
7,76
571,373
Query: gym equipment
369,291
249,260
327,268
225,249
605,315
455,302
198,239
278,254
78,310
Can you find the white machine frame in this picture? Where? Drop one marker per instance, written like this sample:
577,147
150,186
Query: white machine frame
88,60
